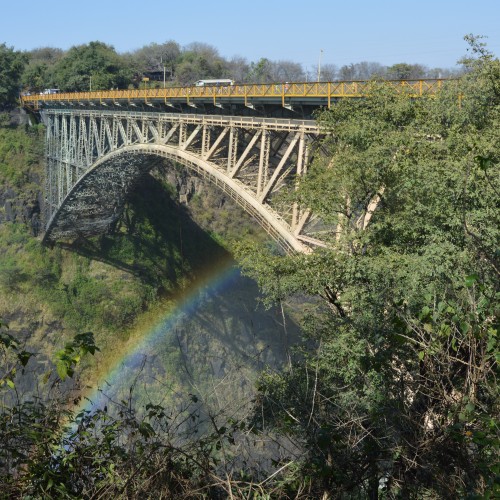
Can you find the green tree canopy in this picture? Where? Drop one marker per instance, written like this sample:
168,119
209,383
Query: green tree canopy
398,393
11,67
405,71
38,73
200,60
95,65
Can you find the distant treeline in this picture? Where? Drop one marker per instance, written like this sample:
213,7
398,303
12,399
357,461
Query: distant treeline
97,66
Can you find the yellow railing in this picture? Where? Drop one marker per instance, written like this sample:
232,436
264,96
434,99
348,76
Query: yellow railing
283,91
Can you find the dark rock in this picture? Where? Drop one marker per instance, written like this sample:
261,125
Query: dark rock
18,116
9,193
9,214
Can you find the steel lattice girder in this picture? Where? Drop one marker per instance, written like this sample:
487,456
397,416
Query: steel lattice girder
251,159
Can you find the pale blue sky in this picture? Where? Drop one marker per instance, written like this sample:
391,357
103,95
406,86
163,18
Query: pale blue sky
413,31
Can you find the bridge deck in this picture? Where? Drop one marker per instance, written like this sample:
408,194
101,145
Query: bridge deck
285,95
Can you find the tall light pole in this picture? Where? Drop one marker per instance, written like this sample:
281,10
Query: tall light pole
319,64
90,83
164,70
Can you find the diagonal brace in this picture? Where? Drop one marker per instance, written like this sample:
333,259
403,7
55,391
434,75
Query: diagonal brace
279,168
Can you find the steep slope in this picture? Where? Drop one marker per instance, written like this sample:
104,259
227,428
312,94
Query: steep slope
123,285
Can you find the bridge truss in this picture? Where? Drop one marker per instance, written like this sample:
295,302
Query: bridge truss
95,158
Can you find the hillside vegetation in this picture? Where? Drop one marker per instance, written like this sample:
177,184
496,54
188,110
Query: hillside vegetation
393,391
117,286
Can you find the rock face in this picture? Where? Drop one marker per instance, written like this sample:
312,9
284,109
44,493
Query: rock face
23,207
18,116
25,204
185,183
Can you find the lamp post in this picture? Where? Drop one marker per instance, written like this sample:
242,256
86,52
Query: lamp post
164,70
319,64
90,83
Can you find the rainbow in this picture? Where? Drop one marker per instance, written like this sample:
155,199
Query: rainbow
155,331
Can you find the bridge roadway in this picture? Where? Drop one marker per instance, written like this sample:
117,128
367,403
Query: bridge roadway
99,144
270,99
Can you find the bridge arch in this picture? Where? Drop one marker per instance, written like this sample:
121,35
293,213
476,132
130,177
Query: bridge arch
93,154
98,197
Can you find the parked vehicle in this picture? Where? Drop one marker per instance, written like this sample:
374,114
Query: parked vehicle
214,83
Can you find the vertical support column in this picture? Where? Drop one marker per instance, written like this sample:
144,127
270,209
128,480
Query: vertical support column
69,153
232,148
130,130
306,158
94,146
182,133
73,139
205,140
303,215
145,129
79,156
63,160
63,139
300,165
49,168
102,135
265,147
55,163
85,131
114,134
72,175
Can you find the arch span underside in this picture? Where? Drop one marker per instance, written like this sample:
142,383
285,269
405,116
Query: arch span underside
97,199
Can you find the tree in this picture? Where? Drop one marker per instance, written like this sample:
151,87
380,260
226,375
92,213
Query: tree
287,71
395,391
260,71
199,60
328,73
156,57
11,67
238,69
36,77
95,65
361,71
45,55
405,71
38,73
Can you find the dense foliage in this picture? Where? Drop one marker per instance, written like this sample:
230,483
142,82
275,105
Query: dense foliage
95,66
12,64
399,396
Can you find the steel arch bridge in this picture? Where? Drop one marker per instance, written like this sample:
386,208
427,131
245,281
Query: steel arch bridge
99,145
96,157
